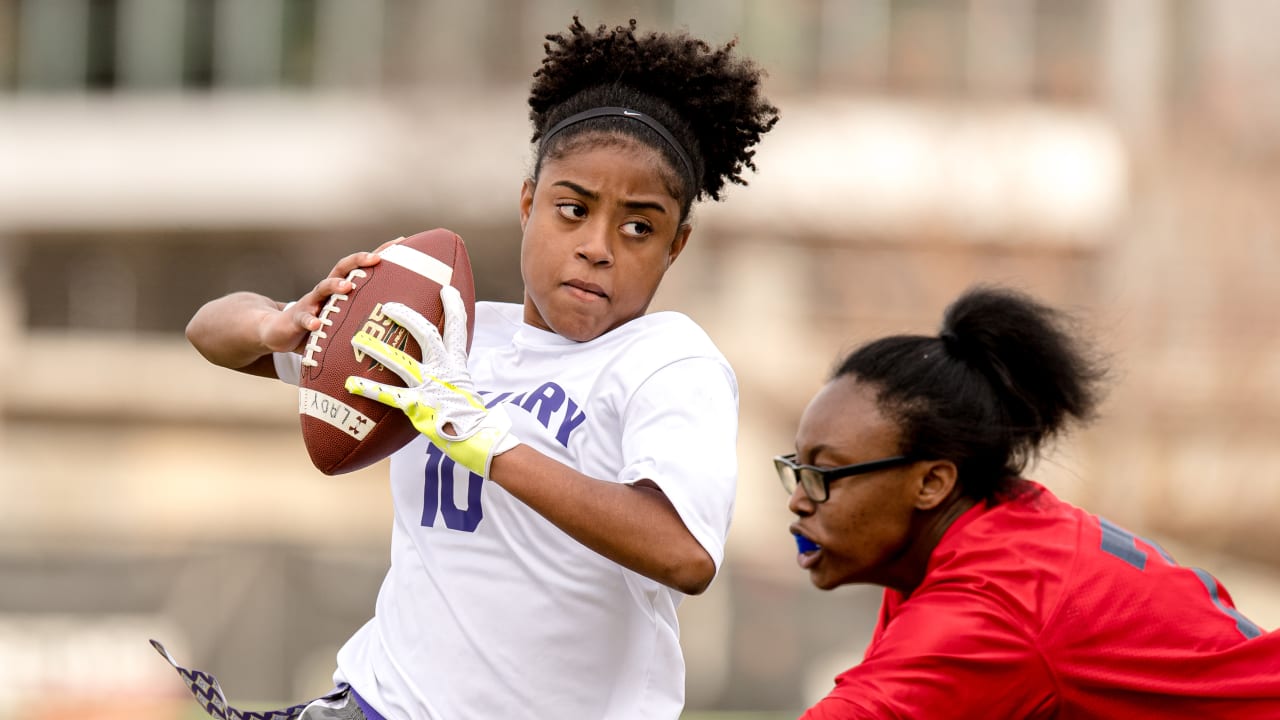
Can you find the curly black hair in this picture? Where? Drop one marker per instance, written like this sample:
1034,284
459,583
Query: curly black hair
1004,375
708,99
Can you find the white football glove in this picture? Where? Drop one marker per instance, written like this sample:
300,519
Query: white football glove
439,392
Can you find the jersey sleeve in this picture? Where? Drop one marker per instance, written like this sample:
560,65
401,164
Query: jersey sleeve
681,433
947,654
288,367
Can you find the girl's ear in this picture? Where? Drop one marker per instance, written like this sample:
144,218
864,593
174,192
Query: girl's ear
678,244
936,484
526,201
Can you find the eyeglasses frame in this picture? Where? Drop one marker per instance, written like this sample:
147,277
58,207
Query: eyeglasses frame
791,473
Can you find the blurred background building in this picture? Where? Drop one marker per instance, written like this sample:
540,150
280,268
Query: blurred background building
1120,159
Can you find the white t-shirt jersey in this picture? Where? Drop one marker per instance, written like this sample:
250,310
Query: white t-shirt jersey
489,610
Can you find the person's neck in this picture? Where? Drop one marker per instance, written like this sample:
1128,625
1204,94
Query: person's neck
927,533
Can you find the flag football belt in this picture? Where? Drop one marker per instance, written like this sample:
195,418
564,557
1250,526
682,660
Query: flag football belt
341,704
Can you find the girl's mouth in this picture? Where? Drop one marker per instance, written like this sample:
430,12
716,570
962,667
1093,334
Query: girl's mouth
587,288
809,551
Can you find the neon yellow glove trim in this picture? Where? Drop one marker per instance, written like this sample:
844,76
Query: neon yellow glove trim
438,392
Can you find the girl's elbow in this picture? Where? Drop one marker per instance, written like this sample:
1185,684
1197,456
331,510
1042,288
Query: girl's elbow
695,576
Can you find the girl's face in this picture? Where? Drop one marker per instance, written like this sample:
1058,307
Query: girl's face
864,529
600,230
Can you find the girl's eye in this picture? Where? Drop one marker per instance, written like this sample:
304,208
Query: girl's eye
572,211
637,228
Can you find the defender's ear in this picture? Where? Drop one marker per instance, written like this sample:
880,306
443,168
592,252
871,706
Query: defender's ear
936,484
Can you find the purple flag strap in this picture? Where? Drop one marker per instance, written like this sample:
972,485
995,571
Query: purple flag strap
209,695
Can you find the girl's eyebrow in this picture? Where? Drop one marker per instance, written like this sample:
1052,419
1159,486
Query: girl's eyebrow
629,204
578,189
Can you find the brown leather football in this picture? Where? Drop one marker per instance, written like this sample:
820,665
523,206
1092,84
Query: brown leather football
345,432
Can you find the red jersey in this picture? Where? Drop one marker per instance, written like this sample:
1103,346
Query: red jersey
1033,608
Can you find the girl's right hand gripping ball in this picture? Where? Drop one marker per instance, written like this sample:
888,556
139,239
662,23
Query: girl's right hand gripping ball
345,432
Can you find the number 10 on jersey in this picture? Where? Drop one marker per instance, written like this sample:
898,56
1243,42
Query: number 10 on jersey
439,480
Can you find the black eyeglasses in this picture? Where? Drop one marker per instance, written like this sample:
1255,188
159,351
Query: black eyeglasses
816,481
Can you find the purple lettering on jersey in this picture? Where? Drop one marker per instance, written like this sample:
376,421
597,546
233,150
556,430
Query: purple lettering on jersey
571,422
438,490
454,518
499,398
543,403
547,399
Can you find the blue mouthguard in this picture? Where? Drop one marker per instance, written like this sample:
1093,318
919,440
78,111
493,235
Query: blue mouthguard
804,544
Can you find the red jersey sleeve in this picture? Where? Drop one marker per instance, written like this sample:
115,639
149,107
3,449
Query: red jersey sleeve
946,654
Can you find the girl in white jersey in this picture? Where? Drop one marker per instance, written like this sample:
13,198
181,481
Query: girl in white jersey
576,474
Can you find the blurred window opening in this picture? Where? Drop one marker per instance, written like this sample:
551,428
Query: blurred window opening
101,38
1067,48
198,42
1015,48
153,282
148,283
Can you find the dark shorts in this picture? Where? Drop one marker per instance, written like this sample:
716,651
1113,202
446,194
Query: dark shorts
346,706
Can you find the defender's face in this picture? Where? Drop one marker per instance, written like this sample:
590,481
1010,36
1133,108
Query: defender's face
600,230
865,523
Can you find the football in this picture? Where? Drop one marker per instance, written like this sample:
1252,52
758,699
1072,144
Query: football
345,432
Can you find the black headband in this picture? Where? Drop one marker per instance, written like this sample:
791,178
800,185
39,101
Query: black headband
626,113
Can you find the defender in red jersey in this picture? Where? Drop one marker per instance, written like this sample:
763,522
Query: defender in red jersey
1001,600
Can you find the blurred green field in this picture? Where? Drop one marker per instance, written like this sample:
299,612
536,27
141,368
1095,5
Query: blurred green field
727,715
196,714
704,715
182,709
